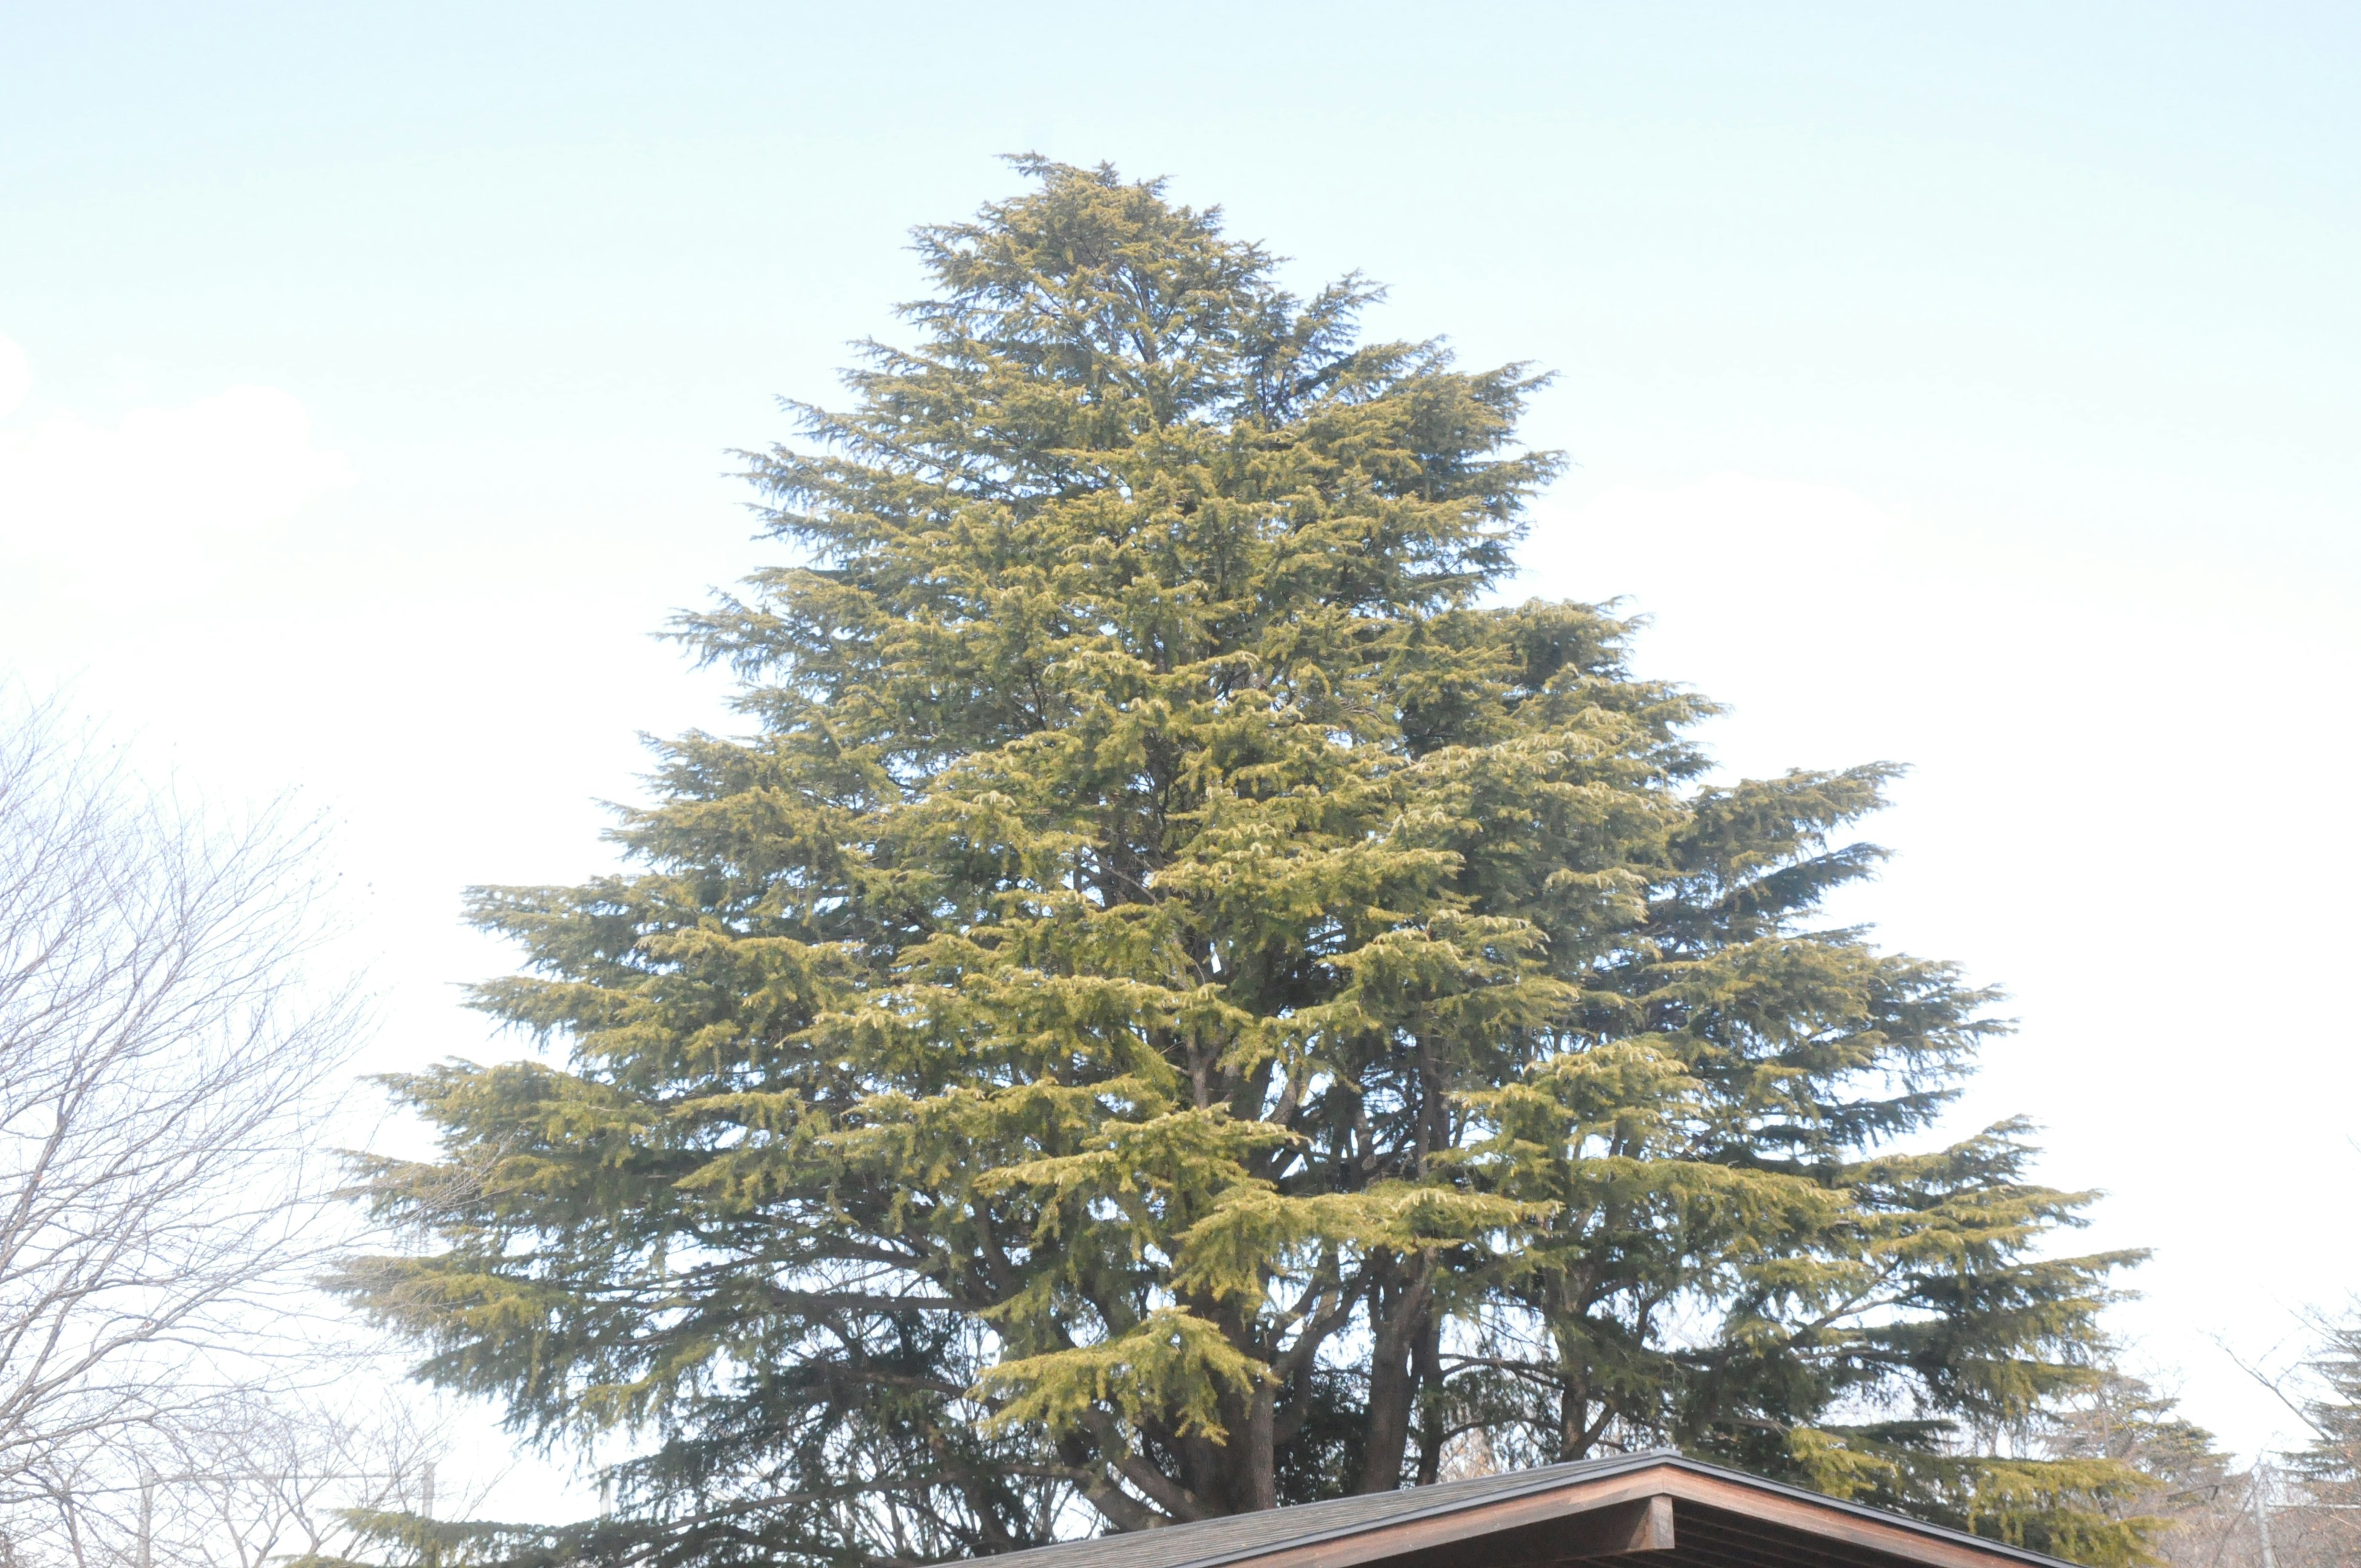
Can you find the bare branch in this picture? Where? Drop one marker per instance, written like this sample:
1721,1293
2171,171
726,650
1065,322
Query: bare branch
164,1053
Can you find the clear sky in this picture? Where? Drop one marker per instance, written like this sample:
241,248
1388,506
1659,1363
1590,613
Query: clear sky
1970,386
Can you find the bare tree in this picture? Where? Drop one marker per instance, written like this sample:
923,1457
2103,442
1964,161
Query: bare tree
163,1055
273,1479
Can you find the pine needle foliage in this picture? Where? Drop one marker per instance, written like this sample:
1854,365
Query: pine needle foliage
2329,1466
1185,1001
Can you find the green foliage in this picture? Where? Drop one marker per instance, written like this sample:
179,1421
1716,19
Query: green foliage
2104,1478
1183,1003
2124,1418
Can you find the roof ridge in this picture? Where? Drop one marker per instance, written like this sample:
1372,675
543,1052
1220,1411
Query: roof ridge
1255,1533
1234,1537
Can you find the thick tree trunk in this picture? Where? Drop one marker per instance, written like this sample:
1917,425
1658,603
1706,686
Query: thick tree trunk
1261,1453
1392,1387
1426,1376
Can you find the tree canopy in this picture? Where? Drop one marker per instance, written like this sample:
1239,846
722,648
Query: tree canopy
1186,999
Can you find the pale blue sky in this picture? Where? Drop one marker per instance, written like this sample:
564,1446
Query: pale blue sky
1974,389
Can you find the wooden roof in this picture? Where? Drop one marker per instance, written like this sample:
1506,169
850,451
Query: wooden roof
1649,1511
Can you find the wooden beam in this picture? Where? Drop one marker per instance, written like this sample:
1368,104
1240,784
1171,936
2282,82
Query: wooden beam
1643,1525
1654,1531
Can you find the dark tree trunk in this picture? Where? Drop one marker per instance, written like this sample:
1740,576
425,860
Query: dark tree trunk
1393,1387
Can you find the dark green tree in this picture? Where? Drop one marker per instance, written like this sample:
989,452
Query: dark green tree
1185,1002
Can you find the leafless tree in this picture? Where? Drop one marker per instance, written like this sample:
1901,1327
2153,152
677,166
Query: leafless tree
269,1478
164,1049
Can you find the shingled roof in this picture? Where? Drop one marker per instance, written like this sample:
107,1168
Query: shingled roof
1655,1510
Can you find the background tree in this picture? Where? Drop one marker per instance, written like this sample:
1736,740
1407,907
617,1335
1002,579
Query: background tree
162,1051
2329,1468
2309,1500
2188,1487
256,1477
1184,1003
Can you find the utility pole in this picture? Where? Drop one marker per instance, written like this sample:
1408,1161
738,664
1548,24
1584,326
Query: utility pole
431,1558
2262,1483
147,1518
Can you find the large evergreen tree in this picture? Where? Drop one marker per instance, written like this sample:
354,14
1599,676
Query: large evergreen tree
1185,1001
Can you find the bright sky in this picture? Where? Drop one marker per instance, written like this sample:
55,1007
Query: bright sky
1974,387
